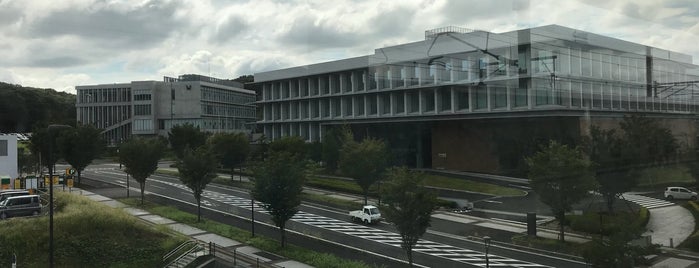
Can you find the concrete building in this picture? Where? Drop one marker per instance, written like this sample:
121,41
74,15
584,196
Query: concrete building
8,156
469,99
153,107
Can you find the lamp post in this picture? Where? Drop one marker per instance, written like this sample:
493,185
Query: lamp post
51,129
252,213
486,243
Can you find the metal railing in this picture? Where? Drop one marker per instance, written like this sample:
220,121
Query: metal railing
192,248
239,258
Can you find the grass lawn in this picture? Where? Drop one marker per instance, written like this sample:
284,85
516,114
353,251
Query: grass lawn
472,186
293,252
548,244
655,177
692,242
86,234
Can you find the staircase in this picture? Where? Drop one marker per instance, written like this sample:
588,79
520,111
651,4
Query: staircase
185,254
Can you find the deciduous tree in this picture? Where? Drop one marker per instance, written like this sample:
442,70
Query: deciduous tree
561,176
408,205
293,145
231,149
140,157
80,145
364,162
604,149
278,185
197,169
185,136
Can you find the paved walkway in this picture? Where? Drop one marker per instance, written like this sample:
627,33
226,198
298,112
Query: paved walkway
195,233
669,226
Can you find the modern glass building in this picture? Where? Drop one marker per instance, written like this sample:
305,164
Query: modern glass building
153,107
459,98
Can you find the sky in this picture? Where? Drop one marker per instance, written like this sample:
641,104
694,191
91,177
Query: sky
62,44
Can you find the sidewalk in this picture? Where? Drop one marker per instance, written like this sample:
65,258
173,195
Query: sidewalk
227,244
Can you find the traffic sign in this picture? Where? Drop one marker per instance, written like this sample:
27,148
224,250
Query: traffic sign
70,183
70,171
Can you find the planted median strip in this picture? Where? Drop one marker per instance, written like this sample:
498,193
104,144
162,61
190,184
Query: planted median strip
270,245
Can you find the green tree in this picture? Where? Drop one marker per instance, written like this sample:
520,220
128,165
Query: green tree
185,136
645,141
364,162
293,145
80,145
26,161
246,78
604,149
140,157
612,252
197,169
562,177
231,149
278,185
43,143
408,205
331,145
694,170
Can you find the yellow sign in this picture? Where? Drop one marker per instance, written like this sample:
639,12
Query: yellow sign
70,183
55,179
46,179
18,184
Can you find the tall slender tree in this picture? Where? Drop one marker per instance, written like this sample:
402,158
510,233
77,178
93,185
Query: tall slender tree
561,176
408,205
278,185
140,157
197,169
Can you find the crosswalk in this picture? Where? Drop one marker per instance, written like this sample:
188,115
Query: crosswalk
646,202
428,247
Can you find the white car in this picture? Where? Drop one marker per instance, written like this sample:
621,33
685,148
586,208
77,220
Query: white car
679,193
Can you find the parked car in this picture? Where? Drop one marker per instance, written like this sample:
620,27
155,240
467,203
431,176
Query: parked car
10,193
679,193
367,215
25,205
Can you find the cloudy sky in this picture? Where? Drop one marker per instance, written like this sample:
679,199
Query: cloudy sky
61,44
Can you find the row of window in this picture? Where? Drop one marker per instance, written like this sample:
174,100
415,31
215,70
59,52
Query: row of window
209,123
307,131
142,97
142,109
103,116
227,110
143,124
574,94
97,95
221,95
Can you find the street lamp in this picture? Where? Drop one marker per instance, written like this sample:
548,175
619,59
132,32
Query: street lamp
486,243
51,129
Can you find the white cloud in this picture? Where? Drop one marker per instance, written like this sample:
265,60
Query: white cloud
66,43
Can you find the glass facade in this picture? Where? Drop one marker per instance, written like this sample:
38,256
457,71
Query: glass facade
552,70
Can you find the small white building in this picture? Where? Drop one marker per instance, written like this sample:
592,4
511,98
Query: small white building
8,156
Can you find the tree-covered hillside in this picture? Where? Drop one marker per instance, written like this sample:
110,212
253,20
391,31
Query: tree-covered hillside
21,108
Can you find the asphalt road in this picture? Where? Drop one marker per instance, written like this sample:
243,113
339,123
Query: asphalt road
442,246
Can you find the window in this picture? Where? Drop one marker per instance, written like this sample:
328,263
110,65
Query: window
142,109
461,98
3,147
